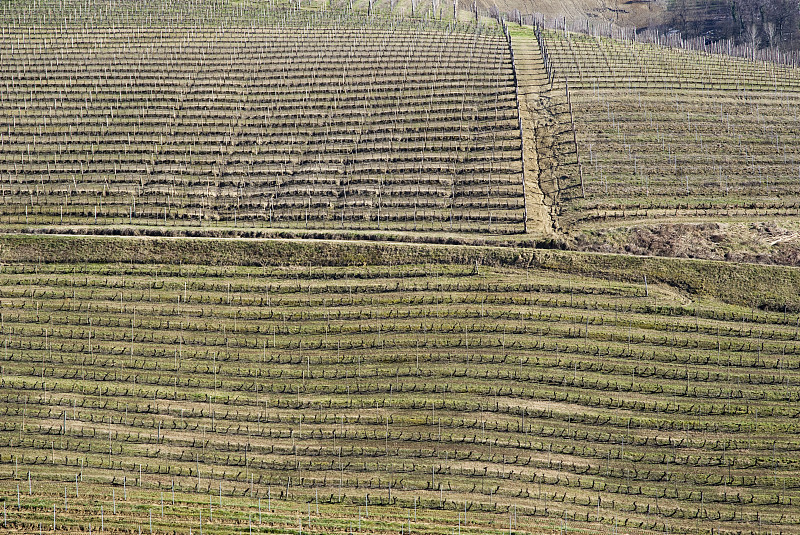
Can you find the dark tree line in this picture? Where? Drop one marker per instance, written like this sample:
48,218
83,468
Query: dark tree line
758,23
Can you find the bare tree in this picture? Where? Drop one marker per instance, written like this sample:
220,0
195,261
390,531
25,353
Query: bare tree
751,34
770,30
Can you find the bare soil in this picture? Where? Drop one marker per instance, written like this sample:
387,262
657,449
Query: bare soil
537,137
769,242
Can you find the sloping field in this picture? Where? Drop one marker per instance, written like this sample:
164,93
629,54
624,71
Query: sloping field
288,386
671,136
392,398
242,115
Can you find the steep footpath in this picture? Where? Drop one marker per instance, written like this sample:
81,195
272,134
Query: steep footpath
537,134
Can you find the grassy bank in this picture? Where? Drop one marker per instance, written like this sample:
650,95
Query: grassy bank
752,285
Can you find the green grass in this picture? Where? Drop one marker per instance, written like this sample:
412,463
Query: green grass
357,385
749,285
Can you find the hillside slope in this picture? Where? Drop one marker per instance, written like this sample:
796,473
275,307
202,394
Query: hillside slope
681,153
348,391
634,13
250,116
336,386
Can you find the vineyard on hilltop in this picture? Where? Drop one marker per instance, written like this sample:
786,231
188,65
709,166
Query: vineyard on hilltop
672,137
251,117
269,267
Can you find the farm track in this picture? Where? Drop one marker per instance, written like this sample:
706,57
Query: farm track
536,125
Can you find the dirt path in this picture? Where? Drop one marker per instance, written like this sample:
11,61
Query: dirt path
537,139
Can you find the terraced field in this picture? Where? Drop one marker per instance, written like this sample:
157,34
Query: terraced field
288,386
251,115
413,398
671,136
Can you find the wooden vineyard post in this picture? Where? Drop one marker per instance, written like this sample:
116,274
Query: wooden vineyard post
519,124
545,56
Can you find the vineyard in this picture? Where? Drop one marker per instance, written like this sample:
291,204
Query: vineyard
672,136
249,115
402,398
165,384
